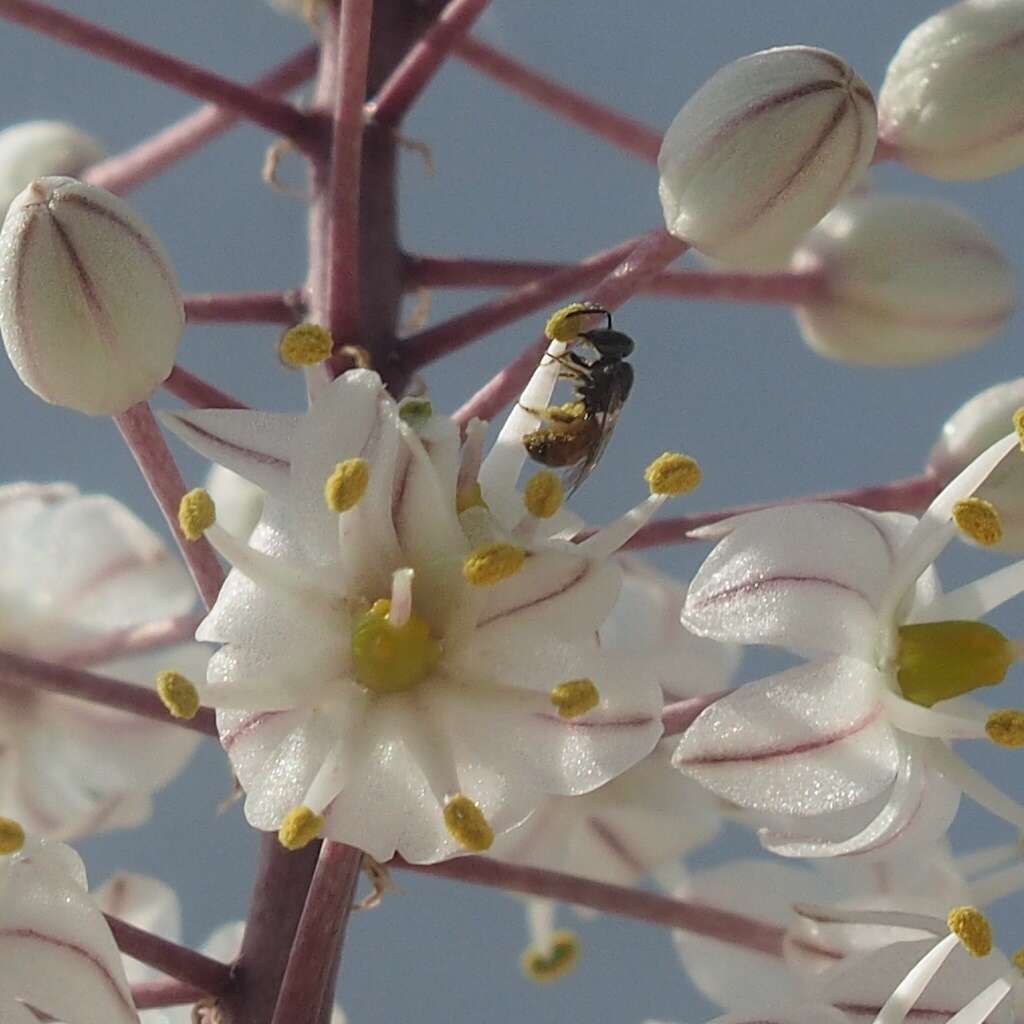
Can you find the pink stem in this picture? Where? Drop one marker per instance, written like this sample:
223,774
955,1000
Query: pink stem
912,494
618,129
275,115
246,307
324,919
197,392
648,257
422,62
690,916
680,715
146,443
153,995
17,670
176,961
715,285
123,643
128,170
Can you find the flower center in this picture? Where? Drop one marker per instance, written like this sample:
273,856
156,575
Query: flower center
940,660
390,658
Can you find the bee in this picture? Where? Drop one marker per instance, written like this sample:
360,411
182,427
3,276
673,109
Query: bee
573,436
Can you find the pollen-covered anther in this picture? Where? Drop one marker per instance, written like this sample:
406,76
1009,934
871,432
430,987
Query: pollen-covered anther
1018,959
543,495
467,825
556,962
470,496
12,836
971,927
196,513
565,324
1018,425
492,563
177,694
347,484
575,697
389,658
979,519
1005,728
305,345
300,827
672,474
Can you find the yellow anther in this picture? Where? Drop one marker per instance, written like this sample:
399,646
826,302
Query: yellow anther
196,513
555,962
971,927
1018,425
300,827
672,474
492,563
178,694
543,495
416,411
12,836
979,519
388,658
1018,959
467,824
575,698
1006,728
469,497
305,345
566,324
347,484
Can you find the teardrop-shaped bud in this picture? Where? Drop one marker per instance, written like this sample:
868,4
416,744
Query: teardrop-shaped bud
905,281
952,104
763,150
90,309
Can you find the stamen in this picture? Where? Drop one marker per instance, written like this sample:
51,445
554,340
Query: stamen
1018,959
543,495
1005,728
469,497
909,990
979,519
673,474
971,927
492,563
196,513
1018,425
467,824
305,345
347,484
300,827
12,836
178,694
416,412
547,965
978,1010
575,697
567,323
401,597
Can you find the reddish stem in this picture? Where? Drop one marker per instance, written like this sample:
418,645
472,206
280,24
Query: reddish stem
128,170
199,393
275,115
408,81
321,928
681,714
123,643
176,961
146,443
690,916
648,257
152,995
246,307
912,494
619,129
30,673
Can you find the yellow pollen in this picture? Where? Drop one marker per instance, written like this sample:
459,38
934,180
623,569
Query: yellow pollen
979,519
347,484
416,411
565,324
467,824
1018,425
1018,959
388,658
305,345
575,698
543,495
673,474
178,695
971,927
196,513
12,836
554,963
300,827
492,563
1006,728
469,497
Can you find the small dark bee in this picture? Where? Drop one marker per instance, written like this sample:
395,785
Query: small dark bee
574,435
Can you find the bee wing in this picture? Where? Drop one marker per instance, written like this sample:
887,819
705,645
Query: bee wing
607,417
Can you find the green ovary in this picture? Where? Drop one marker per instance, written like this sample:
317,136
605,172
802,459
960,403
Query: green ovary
388,658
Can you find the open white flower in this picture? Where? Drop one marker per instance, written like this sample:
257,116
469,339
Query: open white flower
853,590
403,668
79,571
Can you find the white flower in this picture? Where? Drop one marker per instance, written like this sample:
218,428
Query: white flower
399,657
89,304
76,571
239,502
853,590
763,150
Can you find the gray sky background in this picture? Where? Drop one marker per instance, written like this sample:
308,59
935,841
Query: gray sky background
733,385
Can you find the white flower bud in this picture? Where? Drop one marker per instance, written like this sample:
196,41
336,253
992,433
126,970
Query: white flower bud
952,104
905,281
90,309
763,150
976,425
35,148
